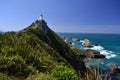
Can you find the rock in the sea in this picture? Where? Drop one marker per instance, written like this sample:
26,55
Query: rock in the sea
77,40
86,43
96,44
114,69
93,54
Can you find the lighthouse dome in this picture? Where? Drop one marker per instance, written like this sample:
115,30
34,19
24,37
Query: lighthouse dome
40,18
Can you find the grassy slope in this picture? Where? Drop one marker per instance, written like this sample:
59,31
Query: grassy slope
30,51
63,49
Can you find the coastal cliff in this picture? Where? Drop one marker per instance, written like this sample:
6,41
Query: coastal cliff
36,50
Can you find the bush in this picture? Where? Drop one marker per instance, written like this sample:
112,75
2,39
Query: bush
76,50
64,73
41,76
16,66
4,77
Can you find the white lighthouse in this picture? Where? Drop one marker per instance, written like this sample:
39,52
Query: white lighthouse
40,18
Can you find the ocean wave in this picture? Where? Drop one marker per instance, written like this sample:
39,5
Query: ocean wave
73,43
98,48
81,41
107,53
101,49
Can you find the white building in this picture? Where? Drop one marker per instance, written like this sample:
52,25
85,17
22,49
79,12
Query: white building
40,18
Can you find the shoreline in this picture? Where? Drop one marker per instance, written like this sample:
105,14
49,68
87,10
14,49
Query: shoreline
104,73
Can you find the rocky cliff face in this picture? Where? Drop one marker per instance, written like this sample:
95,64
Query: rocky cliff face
42,25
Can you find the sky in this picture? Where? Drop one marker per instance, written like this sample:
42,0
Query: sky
77,16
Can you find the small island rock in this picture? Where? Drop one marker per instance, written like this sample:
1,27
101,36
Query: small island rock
77,40
86,43
96,44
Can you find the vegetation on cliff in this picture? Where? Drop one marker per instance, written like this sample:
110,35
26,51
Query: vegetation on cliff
33,54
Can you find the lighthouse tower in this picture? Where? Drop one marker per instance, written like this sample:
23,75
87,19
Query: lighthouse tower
41,24
40,18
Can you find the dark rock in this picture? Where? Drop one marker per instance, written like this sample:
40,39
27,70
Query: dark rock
96,44
114,69
93,54
82,55
99,56
77,40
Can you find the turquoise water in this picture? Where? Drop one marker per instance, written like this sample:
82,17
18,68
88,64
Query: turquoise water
109,45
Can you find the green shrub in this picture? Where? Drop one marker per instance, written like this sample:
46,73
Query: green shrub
27,51
41,76
4,77
76,50
64,73
16,66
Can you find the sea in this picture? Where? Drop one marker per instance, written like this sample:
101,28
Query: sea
108,44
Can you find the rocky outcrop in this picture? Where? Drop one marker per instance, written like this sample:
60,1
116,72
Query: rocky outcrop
77,40
67,41
93,54
114,69
96,44
42,24
86,43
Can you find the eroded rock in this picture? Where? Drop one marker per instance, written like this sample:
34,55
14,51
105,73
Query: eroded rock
93,54
86,43
114,69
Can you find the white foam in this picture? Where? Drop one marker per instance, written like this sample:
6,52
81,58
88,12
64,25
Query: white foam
101,49
73,43
107,53
98,48
81,41
110,56
113,55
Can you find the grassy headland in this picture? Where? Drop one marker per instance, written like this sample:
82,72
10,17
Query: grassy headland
35,55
